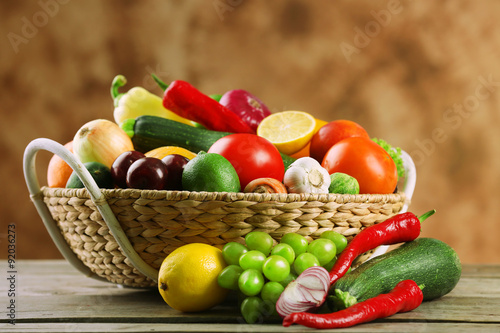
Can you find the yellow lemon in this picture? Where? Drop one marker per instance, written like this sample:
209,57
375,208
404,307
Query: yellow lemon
187,279
319,123
289,131
161,152
306,150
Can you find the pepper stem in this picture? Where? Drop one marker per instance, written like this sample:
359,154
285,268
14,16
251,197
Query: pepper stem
424,216
216,97
128,127
118,82
162,84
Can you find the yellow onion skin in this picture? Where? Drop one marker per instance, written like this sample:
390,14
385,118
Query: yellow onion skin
101,141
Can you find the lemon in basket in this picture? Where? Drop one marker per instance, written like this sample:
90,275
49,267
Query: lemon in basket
289,131
187,279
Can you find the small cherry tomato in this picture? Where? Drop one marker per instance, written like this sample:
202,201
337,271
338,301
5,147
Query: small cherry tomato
331,133
252,157
364,160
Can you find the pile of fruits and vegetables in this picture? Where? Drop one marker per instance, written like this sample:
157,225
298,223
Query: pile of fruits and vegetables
226,143
191,141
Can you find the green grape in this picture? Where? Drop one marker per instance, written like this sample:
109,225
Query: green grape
329,265
338,239
268,309
260,241
228,277
292,276
304,261
251,282
252,259
250,309
297,242
323,249
232,252
271,291
284,250
276,268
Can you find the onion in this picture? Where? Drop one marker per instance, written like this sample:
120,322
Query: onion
101,141
248,107
307,292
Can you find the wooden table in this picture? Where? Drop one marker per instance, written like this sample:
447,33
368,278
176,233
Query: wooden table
51,296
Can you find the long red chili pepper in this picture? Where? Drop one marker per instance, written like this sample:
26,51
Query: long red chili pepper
400,228
406,296
188,102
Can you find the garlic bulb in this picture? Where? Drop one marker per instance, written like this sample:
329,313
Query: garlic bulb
306,175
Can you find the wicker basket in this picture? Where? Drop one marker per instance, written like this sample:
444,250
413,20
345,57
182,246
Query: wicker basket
123,235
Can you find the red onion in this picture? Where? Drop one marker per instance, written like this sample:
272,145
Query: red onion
248,107
307,292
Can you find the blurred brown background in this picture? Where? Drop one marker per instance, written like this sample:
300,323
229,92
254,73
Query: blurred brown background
423,75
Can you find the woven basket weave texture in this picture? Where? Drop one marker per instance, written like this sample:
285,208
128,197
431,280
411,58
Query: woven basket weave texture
158,222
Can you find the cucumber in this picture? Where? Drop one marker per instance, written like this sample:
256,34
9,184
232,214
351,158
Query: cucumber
431,263
150,132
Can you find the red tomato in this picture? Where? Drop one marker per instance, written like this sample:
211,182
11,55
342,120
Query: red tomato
251,155
364,160
331,133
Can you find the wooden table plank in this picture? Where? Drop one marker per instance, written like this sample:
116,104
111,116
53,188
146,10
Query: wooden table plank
481,271
54,297
223,328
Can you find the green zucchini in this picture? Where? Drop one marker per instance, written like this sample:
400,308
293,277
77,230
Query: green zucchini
431,263
150,132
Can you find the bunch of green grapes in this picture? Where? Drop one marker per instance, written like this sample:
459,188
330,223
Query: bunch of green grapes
260,270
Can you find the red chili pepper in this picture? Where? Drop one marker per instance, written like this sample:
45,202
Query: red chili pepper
188,102
400,228
406,296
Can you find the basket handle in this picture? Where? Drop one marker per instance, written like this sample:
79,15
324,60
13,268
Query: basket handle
97,198
410,179
408,189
